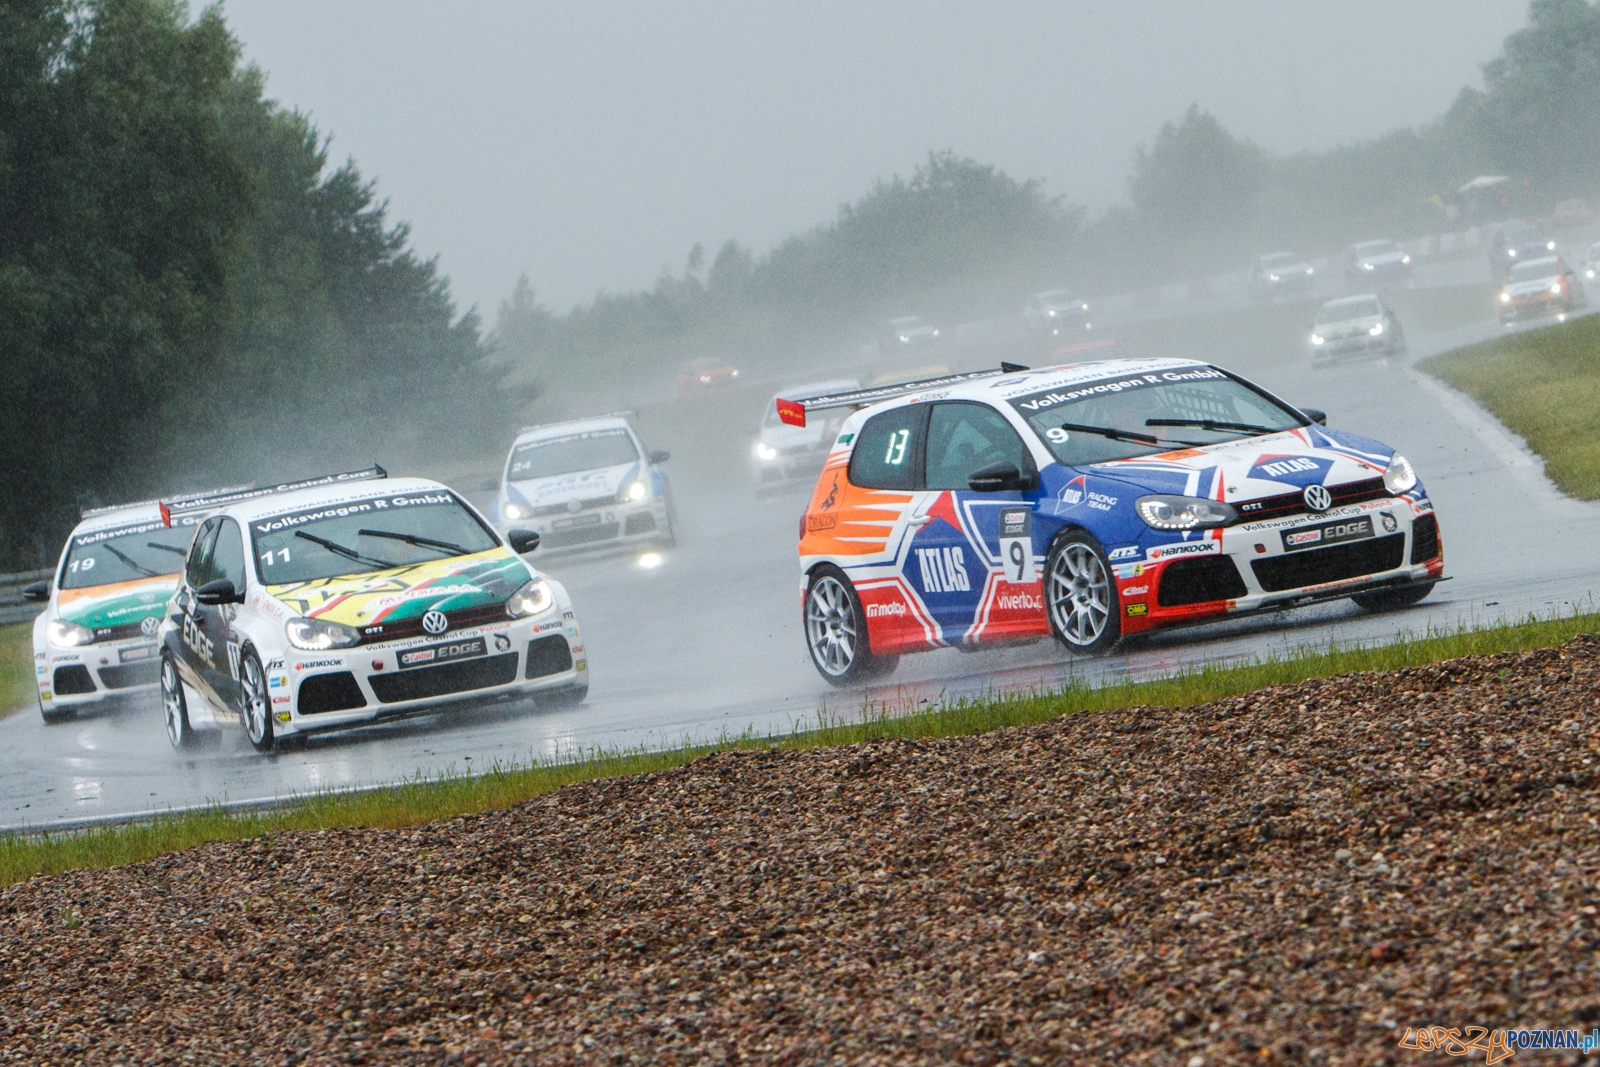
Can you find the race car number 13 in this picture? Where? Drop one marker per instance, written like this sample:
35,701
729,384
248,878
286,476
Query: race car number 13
1016,545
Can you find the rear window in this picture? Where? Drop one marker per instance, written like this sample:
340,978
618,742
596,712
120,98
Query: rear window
887,449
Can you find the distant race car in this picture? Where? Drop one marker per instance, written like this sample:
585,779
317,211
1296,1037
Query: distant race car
1091,501
706,373
909,331
1540,287
1513,242
1573,212
784,455
1382,262
95,641
1280,274
1591,262
337,601
586,484
1356,325
1057,310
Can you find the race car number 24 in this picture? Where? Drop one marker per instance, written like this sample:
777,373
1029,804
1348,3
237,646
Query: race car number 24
1016,544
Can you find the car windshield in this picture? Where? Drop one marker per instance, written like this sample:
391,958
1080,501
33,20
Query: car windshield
911,323
1055,296
125,554
1535,270
1517,233
359,536
1129,403
1373,249
569,453
1360,307
1280,260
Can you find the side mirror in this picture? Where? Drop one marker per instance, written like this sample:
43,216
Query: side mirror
1001,477
522,541
660,455
37,592
1316,415
218,592
491,485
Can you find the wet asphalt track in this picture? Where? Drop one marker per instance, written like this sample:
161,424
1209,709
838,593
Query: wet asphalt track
709,643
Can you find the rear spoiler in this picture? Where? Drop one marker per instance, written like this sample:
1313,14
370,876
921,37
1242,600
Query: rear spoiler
88,512
793,412
628,414
213,501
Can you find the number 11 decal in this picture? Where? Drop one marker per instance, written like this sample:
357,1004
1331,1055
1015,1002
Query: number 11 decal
1016,545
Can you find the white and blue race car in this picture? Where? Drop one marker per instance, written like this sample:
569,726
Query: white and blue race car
585,484
1092,501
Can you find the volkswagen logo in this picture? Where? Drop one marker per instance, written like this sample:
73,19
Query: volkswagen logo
574,506
435,622
1318,498
150,626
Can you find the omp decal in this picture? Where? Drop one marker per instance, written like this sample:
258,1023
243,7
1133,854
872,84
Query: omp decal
1137,609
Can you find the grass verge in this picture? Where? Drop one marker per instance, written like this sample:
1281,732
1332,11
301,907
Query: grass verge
407,804
1545,385
16,667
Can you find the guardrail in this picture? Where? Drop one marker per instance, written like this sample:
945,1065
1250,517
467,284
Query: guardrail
12,607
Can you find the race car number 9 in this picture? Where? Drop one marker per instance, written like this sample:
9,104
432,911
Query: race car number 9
1016,545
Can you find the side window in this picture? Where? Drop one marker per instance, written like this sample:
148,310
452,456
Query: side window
965,437
227,557
198,570
887,448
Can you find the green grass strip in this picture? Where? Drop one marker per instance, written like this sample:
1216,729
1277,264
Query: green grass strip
420,801
1545,385
16,668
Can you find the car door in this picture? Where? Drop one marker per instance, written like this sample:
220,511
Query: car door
195,662
973,558
216,621
868,512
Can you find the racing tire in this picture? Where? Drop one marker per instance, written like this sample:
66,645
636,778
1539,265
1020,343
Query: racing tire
255,705
1080,595
174,706
836,631
1392,599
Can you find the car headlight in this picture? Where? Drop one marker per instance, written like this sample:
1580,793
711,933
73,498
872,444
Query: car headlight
1550,246
1405,259
1184,512
1505,298
1274,277
1051,313
1512,252
1310,271
734,374
1556,288
534,598
1367,266
633,492
65,634
1377,328
1317,339
514,511
705,377
1589,273
316,635
765,451
1399,477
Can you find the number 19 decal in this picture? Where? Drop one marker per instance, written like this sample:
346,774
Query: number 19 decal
1016,545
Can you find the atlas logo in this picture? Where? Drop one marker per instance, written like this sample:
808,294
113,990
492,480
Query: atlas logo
876,611
944,570
1072,492
435,622
1299,471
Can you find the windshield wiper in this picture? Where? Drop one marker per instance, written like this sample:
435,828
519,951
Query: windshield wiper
1114,434
1214,427
338,549
167,548
129,561
414,539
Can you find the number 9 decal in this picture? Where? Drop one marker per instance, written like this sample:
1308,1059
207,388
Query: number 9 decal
1019,560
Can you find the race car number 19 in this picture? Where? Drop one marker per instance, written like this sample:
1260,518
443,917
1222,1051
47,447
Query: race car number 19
1016,544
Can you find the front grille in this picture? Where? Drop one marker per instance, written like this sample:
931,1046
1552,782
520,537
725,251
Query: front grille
1354,560
423,682
128,675
642,522
1424,539
121,632
1199,580
393,629
338,691
580,535
583,505
1271,507
71,681
548,655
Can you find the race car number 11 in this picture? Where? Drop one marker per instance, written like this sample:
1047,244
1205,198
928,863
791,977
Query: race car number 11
1016,545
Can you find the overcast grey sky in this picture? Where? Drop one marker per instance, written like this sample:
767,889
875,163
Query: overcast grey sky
592,144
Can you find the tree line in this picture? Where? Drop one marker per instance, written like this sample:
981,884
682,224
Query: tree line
189,293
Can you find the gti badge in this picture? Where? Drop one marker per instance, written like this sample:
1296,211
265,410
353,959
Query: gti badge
150,626
1317,497
435,622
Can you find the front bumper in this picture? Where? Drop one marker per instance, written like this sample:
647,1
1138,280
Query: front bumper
645,522
1281,563
1527,307
92,674
497,662
1361,344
